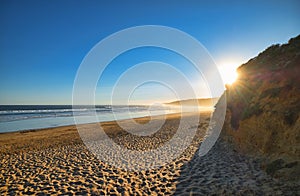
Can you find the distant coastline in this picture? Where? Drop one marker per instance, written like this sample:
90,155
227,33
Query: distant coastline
203,102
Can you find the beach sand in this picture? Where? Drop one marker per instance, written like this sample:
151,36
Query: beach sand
56,161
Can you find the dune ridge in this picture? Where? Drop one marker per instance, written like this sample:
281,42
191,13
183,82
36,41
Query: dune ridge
263,113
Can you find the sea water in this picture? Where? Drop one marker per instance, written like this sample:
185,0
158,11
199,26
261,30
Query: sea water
28,117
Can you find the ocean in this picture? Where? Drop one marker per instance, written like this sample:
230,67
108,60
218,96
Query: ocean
28,117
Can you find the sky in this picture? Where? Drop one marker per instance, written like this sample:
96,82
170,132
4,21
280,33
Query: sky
43,43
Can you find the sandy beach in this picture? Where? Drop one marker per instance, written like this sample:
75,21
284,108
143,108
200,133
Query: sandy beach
150,98
56,161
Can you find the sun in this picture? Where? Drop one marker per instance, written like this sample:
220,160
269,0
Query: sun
228,72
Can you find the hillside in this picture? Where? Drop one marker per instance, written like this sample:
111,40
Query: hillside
263,110
205,102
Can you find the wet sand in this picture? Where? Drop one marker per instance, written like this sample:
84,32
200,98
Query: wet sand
55,161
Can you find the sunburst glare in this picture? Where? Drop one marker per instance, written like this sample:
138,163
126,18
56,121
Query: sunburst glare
228,72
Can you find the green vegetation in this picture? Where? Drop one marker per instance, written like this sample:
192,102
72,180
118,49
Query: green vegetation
291,116
274,166
272,92
251,111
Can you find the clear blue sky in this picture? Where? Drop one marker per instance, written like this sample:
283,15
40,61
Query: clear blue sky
43,42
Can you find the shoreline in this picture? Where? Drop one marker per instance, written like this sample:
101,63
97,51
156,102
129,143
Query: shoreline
68,134
108,121
15,119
